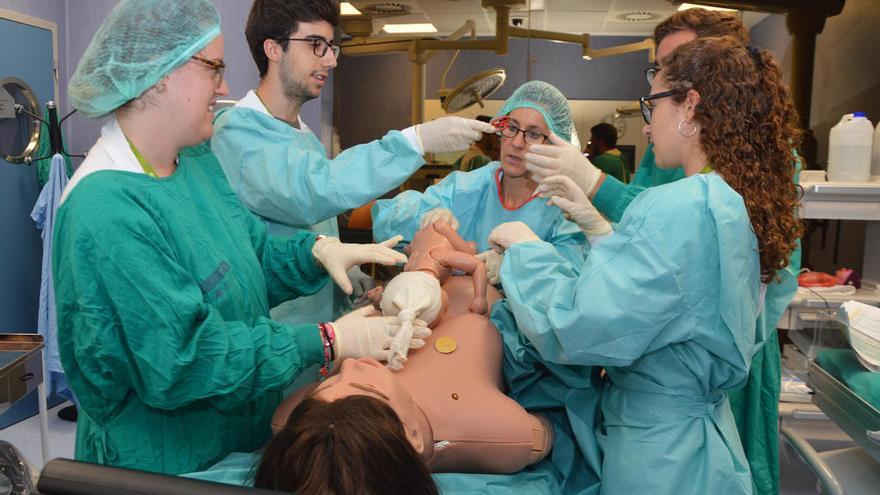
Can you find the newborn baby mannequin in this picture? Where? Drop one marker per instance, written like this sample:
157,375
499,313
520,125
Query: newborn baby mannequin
449,397
435,250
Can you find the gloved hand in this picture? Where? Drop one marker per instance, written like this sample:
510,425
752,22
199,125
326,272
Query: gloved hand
444,214
450,134
510,233
366,333
337,258
493,260
565,194
360,281
562,158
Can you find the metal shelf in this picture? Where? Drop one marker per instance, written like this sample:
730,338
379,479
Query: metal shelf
841,201
857,418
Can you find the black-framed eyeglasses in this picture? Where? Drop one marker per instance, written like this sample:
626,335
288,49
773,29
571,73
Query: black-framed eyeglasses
647,107
651,73
319,46
531,136
218,67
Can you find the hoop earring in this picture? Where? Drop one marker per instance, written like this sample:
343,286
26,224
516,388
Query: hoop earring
687,128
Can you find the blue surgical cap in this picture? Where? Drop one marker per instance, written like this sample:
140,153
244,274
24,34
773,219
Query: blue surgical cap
545,98
139,43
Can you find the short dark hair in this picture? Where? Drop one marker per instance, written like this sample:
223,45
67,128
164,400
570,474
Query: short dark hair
356,444
705,23
606,132
276,19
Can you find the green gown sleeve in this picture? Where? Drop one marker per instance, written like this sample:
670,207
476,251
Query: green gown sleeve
135,320
284,175
597,315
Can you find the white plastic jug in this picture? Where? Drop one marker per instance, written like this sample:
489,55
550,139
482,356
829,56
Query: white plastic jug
849,149
875,153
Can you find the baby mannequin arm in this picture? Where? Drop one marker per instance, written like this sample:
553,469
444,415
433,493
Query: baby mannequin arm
467,263
452,236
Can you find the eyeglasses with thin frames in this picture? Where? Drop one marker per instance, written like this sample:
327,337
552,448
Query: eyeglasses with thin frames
319,46
510,130
218,67
647,107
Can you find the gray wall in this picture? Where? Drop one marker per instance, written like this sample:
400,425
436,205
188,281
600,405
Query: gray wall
846,79
372,93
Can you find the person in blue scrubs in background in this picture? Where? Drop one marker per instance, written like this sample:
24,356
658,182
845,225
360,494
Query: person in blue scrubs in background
503,191
668,301
279,168
756,405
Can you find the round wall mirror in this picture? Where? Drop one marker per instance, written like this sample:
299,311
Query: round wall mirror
19,132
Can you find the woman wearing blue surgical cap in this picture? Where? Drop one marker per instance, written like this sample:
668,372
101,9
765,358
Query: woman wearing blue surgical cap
163,279
502,191
668,301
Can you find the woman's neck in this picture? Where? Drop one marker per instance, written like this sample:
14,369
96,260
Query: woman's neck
153,138
695,162
516,190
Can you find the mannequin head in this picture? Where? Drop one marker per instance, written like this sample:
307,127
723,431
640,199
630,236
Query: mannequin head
355,444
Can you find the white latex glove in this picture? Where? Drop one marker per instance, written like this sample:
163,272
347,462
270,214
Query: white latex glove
493,260
365,333
510,233
337,257
565,194
562,158
360,281
444,214
448,134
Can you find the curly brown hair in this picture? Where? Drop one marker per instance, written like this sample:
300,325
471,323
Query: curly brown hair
705,23
748,132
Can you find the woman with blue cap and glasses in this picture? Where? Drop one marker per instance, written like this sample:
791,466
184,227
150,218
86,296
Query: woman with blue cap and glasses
503,191
163,279
668,302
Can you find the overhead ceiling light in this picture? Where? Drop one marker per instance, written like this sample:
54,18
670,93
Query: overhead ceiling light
346,8
686,6
425,27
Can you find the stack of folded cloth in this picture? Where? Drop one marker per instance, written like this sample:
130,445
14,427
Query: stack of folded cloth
863,332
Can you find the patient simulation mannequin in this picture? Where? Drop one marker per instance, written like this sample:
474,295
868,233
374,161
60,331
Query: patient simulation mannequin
434,251
448,398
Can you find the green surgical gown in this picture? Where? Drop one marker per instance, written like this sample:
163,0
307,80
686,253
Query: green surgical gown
667,305
756,405
283,175
163,288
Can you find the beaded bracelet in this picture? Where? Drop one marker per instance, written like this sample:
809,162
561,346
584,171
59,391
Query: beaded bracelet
328,337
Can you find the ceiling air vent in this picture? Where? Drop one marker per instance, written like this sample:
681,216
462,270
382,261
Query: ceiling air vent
386,9
638,16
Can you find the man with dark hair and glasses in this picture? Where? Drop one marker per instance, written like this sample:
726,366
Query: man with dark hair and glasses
279,168
755,406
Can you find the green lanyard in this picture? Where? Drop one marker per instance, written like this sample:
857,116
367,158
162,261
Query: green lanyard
707,169
148,169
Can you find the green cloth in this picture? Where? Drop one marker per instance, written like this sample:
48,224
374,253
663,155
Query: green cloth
613,165
845,366
614,196
163,288
44,149
756,405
